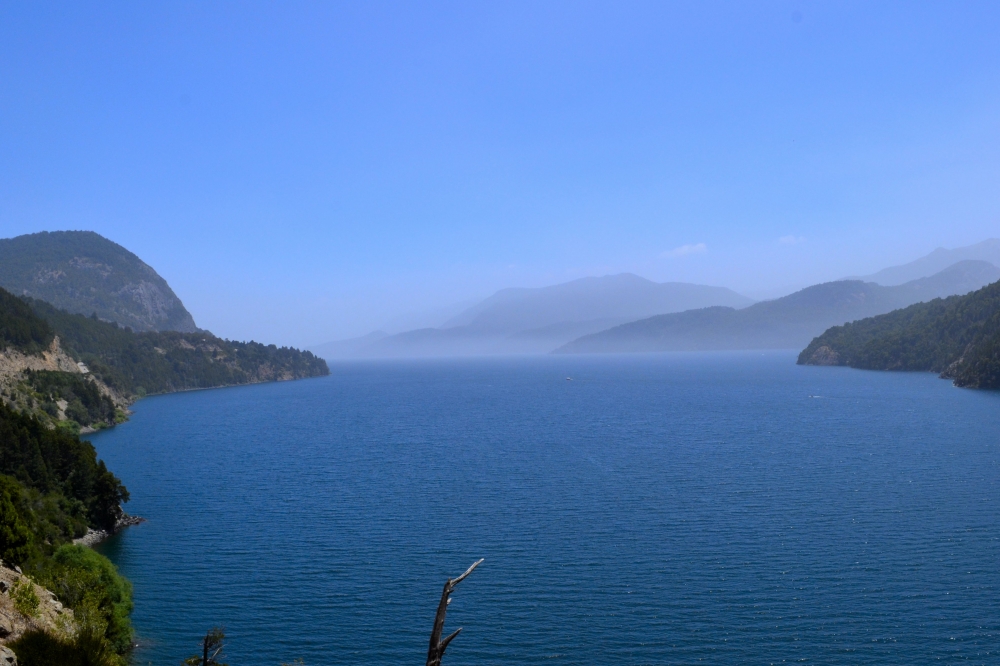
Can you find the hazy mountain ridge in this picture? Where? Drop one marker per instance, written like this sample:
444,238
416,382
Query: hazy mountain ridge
85,273
783,323
536,320
957,336
941,258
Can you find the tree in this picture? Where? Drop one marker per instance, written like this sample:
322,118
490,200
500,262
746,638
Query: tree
15,536
438,645
212,646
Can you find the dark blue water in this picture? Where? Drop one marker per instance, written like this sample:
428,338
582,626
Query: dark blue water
679,509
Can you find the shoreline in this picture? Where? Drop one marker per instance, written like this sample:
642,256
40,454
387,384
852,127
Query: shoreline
94,537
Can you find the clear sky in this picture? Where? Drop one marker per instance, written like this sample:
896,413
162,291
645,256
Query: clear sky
301,172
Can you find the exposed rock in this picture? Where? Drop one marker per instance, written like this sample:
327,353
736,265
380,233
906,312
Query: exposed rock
14,365
824,356
83,273
51,616
94,537
7,656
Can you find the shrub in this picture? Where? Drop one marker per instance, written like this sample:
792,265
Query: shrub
22,592
89,583
37,648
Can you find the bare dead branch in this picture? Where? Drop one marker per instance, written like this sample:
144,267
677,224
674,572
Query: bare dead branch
458,580
437,647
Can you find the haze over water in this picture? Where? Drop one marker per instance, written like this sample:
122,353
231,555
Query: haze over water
654,509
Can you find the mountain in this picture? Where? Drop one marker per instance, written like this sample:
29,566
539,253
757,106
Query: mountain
957,336
137,363
787,322
623,296
74,371
349,347
538,320
84,273
939,259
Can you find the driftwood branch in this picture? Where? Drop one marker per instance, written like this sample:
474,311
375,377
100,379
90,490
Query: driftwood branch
438,645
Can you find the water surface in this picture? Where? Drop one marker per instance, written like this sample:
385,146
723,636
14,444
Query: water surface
662,509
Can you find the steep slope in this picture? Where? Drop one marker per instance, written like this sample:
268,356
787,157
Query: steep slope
54,489
84,273
38,377
939,259
957,336
135,364
538,320
79,372
788,322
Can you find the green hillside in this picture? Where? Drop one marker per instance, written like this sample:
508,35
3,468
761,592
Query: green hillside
84,273
20,327
136,364
957,336
126,365
53,489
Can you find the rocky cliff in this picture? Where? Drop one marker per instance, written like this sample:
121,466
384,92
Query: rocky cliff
84,273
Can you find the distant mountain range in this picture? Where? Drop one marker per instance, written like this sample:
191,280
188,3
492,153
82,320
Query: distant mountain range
936,261
537,320
958,337
784,323
85,273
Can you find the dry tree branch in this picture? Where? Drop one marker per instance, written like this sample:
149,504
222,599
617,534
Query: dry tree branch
438,645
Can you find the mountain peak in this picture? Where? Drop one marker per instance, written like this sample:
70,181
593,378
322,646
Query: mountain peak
84,273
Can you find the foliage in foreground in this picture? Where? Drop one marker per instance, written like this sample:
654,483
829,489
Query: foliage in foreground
52,488
86,580
86,648
61,487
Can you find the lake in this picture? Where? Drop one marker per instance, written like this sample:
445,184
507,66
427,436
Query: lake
650,509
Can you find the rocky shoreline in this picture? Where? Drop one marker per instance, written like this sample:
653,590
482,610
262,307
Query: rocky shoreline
94,537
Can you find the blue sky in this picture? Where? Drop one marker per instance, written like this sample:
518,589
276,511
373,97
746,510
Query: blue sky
301,172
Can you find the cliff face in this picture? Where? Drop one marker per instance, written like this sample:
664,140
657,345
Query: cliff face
51,616
19,385
84,273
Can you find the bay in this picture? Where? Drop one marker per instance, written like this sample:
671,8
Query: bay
651,509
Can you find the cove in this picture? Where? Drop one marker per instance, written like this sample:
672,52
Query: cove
641,509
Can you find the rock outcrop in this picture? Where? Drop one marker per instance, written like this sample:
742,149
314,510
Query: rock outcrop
14,364
50,615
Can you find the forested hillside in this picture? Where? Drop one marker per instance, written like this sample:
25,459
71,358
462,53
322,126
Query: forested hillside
20,327
80,372
52,489
136,364
958,337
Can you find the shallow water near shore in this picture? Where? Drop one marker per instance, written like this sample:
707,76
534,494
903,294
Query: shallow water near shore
654,509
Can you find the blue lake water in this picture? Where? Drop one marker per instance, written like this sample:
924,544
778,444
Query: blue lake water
664,509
